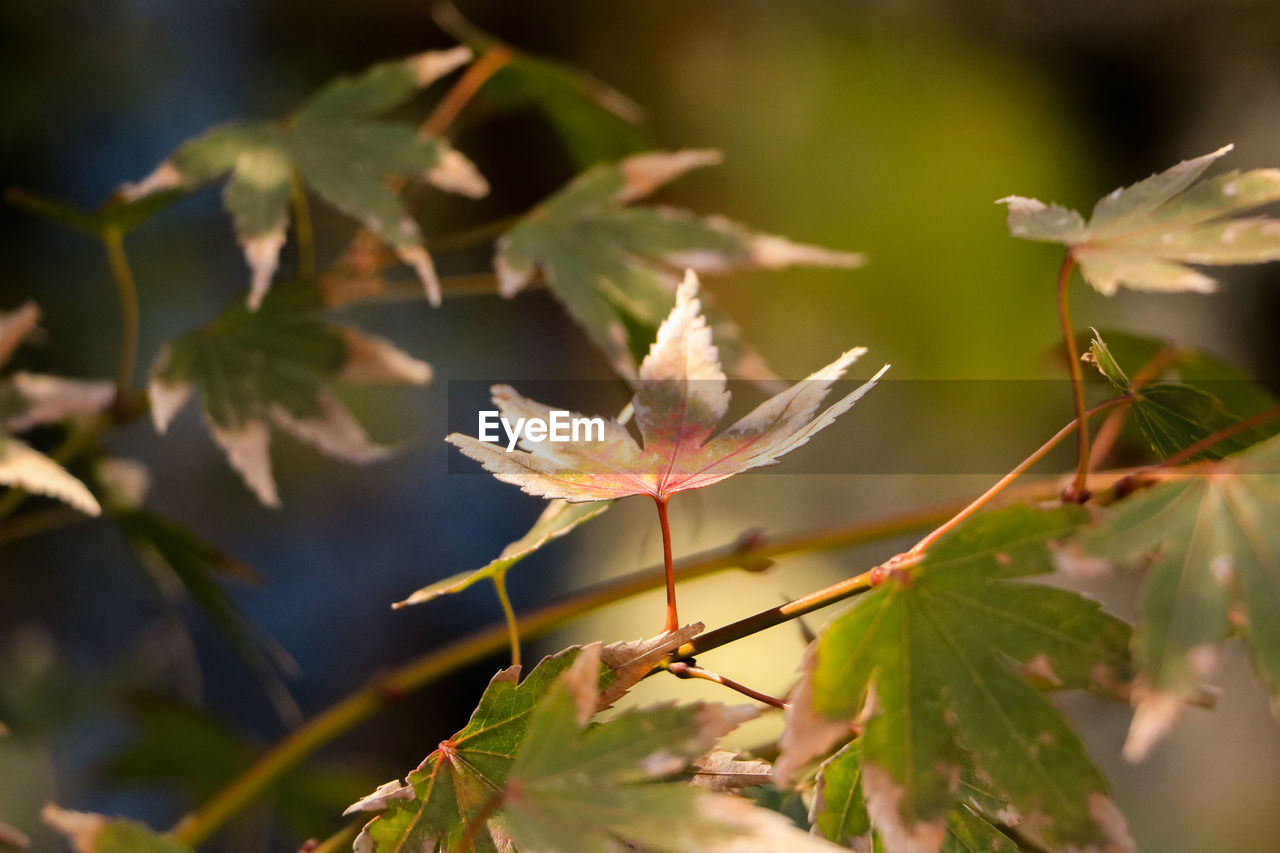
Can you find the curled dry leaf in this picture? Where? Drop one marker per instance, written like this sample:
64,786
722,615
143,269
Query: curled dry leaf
615,266
925,663
1143,236
1215,571
680,400
318,144
724,771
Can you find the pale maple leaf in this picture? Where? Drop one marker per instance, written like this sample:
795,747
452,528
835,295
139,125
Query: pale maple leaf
680,399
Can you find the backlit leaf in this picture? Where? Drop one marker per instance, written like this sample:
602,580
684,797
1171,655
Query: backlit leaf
275,367
1214,547
614,265
334,143
1143,236
679,401
935,665
556,520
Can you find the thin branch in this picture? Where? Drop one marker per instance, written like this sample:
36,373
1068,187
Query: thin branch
39,521
686,669
508,615
127,290
1079,424
303,229
1077,376
464,90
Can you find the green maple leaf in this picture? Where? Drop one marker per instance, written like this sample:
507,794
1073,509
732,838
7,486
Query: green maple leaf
840,811
600,788
450,797
1143,236
1214,547
29,400
1173,415
275,366
615,266
936,662
93,833
333,143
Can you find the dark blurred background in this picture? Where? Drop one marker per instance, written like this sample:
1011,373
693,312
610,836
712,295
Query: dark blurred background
883,127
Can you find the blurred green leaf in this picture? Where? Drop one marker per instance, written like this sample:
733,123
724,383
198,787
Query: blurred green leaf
93,833
615,267
1214,549
334,144
276,366
116,213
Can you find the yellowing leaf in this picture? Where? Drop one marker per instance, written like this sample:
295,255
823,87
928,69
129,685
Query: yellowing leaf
1214,547
1143,236
273,367
614,266
679,401
333,143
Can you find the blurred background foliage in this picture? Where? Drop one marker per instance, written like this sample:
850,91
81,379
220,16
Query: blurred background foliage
883,127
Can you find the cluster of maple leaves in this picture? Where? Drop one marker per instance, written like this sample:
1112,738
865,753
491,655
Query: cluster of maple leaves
919,721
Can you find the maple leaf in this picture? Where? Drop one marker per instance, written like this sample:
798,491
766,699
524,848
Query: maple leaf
600,788
926,662
615,266
449,798
94,833
680,399
1215,572
333,143
274,366
28,400
839,811
1143,236
1173,415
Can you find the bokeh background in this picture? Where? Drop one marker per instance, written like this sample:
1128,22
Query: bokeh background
883,127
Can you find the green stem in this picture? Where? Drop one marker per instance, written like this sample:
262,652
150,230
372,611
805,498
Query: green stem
303,229
127,290
1077,377
366,701
509,615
